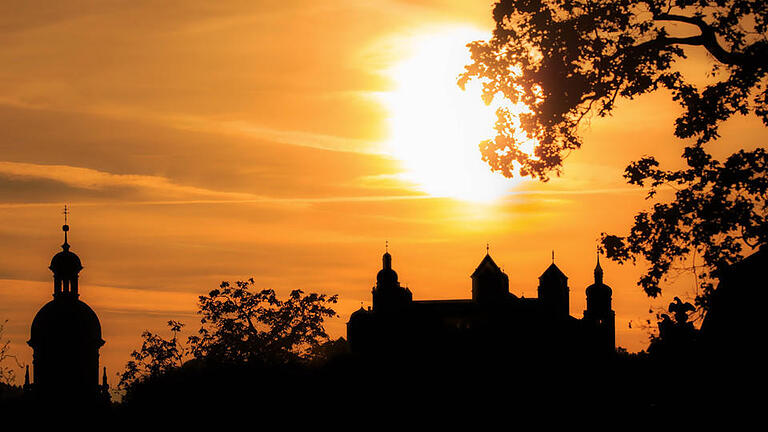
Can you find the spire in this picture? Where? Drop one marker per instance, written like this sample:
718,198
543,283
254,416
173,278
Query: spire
598,269
26,378
104,383
65,228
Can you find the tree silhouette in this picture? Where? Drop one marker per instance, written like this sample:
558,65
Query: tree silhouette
567,60
8,362
241,324
156,356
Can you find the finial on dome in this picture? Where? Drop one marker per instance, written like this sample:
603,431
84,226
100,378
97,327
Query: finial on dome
553,256
488,248
65,228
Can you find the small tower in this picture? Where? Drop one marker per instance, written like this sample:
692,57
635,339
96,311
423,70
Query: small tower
553,291
490,285
66,337
599,311
104,388
388,295
27,385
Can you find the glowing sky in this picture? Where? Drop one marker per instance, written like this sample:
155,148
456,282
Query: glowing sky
202,141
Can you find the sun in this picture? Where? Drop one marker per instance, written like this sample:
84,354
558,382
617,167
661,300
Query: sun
435,127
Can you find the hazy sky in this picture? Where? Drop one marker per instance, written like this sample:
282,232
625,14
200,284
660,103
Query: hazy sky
201,141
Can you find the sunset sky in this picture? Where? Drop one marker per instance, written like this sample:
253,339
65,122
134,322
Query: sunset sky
201,141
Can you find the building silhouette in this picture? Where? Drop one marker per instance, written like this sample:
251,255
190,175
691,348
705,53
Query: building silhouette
492,321
66,337
735,319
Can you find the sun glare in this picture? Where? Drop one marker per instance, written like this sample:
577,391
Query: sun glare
435,127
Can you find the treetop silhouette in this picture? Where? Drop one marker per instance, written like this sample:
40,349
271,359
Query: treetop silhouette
240,325
567,60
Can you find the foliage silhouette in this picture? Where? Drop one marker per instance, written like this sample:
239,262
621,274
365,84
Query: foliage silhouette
718,214
239,326
568,60
156,356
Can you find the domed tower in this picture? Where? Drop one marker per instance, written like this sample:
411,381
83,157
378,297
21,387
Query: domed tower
359,330
66,336
388,295
599,310
553,291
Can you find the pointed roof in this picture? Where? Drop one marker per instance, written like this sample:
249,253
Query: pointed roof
485,265
598,270
553,271
599,287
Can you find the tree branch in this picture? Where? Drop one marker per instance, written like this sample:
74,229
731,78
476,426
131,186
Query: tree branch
707,39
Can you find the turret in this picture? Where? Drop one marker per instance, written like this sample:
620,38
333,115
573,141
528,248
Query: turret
599,311
388,295
553,291
490,285
66,267
27,385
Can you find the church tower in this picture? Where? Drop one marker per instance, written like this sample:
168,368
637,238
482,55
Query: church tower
490,285
553,291
66,337
599,311
388,295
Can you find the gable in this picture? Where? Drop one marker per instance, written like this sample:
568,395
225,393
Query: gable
487,265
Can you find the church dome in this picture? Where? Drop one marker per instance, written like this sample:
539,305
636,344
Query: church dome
386,277
359,314
66,262
599,289
66,319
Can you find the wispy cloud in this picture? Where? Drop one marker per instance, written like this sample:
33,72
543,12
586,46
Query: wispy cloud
86,178
218,126
91,179
291,137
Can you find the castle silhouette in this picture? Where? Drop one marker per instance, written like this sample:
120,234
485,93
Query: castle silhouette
66,337
493,321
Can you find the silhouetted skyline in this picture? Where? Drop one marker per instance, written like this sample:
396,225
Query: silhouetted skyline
198,143
493,322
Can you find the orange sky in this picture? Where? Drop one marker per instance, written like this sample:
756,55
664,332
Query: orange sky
200,142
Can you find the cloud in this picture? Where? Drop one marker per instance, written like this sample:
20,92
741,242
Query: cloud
254,130
86,178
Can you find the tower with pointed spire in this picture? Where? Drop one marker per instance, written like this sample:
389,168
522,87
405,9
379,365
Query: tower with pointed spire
66,336
599,312
490,285
553,290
